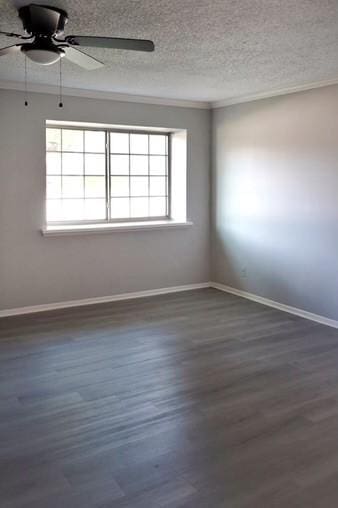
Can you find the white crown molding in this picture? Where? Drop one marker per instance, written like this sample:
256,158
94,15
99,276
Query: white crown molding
276,305
158,101
100,299
97,94
272,93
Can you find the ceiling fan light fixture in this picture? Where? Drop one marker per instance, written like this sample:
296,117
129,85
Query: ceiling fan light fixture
43,56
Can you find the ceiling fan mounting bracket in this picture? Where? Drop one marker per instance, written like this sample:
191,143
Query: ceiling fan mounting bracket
43,20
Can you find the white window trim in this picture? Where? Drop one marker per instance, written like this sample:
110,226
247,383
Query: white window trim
100,228
179,194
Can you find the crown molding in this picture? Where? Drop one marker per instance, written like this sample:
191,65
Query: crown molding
272,93
98,94
158,101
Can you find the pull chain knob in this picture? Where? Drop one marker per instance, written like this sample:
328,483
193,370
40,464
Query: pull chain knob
26,101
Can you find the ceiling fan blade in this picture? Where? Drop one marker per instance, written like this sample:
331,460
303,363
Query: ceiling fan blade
82,59
10,50
110,42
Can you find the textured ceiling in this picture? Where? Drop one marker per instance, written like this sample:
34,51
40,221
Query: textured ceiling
206,50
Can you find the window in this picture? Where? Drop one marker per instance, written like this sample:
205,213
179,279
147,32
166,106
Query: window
106,175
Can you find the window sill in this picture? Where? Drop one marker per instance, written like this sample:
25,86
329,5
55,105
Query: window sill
115,227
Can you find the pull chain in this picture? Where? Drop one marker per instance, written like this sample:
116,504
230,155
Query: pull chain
60,84
60,87
26,101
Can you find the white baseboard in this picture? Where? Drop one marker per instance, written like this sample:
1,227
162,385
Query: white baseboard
100,299
163,291
276,305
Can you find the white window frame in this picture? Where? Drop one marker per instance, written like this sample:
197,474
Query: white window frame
177,177
108,219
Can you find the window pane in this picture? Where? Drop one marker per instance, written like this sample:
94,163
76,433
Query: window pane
72,186
76,180
95,164
139,207
158,144
157,165
53,187
95,187
95,209
157,186
139,143
119,186
73,209
119,142
72,164
157,207
72,140
139,186
53,140
119,164
53,162
95,141
120,208
139,165
54,210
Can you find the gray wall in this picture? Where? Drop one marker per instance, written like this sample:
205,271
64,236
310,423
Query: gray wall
35,269
275,199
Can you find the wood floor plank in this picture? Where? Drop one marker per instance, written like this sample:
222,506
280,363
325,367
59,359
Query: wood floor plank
195,399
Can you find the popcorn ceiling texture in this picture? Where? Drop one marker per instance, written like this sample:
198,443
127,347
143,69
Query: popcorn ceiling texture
206,50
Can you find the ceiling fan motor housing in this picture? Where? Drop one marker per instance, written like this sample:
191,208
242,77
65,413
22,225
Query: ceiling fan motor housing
44,22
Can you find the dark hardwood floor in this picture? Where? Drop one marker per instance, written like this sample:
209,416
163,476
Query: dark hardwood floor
194,400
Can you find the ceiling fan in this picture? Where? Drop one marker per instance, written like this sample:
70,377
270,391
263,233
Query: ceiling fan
46,44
